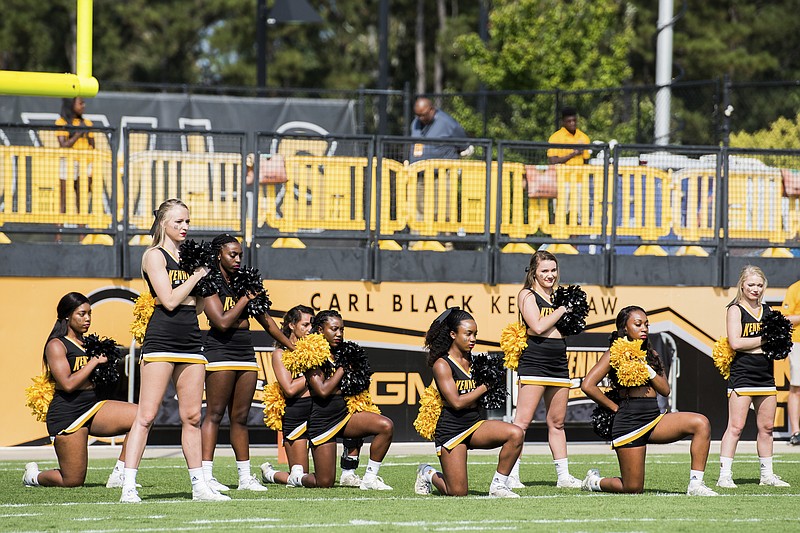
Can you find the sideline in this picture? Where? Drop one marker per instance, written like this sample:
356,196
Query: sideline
104,451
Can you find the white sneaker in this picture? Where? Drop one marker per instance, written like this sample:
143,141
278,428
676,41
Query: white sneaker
215,485
773,481
592,476
251,483
295,479
514,483
568,482
267,473
726,482
698,488
349,479
421,486
130,496
375,483
203,493
501,491
29,478
115,479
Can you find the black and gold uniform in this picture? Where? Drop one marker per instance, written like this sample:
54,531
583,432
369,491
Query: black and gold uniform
173,336
232,349
457,425
637,416
752,374
328,417
544,360
70,411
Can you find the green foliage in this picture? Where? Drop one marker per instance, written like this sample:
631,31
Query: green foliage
784,133
551,45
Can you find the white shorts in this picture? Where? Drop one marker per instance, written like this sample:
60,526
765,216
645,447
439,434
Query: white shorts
794,365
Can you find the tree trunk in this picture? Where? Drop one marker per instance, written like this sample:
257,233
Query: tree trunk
438,68
419,47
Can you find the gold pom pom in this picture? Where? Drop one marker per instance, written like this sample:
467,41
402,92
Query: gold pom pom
39,395
513,341
142,311
629,360
723,354
362,403
430,407
274,406
310,351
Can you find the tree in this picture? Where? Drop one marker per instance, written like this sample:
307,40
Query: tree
549,45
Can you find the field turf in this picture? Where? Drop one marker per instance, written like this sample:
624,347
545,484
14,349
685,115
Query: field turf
167,504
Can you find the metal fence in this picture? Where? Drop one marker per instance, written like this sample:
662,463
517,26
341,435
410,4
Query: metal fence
703,112
372,196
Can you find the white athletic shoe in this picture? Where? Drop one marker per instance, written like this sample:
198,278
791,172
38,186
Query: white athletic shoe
375,483
501,491
267,473
215,485
349,479
568,482
773,481
251,483
592,476
421,486
514,483
115,479
295,479
698,488
29,478
130,496
726,482
203,493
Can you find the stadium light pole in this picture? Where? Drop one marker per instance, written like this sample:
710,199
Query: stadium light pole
283,11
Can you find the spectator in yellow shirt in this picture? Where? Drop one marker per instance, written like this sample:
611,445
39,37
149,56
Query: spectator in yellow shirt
80,139
791,309
568,134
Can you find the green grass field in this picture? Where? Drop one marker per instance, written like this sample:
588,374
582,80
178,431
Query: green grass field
167,504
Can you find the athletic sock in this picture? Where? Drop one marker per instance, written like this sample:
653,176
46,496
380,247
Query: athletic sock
594,484
695,476
120,466
766,466
129,478
372,469
196,476
562,467
515,470
428,474
499,479
208,469
243,467
725,466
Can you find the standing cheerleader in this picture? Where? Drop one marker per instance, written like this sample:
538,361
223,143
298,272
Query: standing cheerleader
172,350
330,419
638,420
296,325
542,369
460,427
232,371
752,379
76,411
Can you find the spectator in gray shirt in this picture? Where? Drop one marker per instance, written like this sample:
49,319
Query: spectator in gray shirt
432,123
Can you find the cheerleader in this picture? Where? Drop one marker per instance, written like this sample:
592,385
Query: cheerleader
638,420
296,325
752,379
460,427
330,419
172,350
232,371
76,411
543,371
